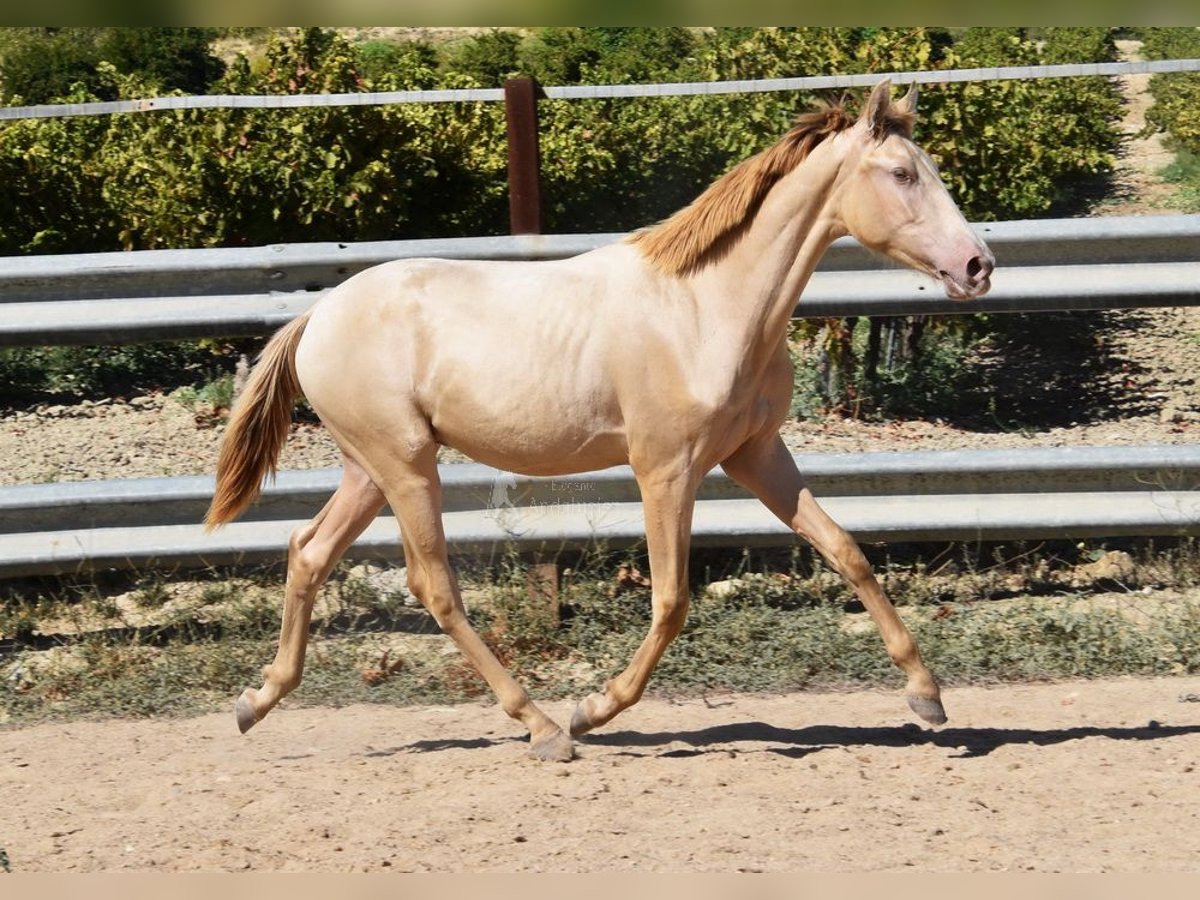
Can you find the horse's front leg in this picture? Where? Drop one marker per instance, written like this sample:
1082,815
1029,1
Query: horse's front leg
668,501
766,468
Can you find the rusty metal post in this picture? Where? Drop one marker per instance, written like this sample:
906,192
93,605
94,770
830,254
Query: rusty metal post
543,579
524,159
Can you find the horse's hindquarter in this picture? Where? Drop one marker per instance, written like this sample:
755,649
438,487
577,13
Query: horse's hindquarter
509,362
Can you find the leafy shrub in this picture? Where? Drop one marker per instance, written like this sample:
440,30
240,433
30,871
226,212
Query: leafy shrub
489,58
51,198
236,177
1022,149
1176,108
173,58
42,64
102,371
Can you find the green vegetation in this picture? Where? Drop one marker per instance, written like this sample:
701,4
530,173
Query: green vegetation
237,177
155,647
121,371
1184,172
1176,109
43,64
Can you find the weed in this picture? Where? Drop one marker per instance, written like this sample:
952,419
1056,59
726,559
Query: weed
217,394
152,594
19,618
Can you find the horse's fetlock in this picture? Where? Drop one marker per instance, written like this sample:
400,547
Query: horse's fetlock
903,653
287,680
515,706
623,695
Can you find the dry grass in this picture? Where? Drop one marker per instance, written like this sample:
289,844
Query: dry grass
158,646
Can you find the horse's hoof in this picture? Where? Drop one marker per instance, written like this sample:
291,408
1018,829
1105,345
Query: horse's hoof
556,748
244,709
928,708
580,723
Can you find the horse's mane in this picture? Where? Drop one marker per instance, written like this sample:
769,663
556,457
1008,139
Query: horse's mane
682,243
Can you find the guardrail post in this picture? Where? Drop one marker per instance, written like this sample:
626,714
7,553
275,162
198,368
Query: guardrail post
524,159
542,580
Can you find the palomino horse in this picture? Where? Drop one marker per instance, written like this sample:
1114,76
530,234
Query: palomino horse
665,350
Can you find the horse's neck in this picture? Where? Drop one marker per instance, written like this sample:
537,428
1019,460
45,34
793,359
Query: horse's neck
755,285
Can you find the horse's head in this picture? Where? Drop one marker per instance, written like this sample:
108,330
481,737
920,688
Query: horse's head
893,201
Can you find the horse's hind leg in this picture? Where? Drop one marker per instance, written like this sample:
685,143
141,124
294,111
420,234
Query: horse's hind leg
414,491
768,470
313,551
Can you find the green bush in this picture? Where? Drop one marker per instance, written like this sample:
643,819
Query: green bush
103,371
237,177
38,65
489,58
1176,108
50,195
173,58
1023,149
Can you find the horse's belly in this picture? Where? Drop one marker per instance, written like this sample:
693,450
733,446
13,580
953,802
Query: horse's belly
536,451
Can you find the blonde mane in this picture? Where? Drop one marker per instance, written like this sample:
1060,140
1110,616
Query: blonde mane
685,241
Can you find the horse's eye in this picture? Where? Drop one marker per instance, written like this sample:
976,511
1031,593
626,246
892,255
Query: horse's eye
902,175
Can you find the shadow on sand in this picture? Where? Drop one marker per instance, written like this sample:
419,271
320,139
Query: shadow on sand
800,742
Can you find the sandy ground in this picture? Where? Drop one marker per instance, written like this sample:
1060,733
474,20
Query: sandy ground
1076,777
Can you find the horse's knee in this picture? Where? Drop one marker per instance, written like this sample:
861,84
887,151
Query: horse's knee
842,552
300,537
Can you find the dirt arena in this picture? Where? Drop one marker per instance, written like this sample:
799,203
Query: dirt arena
1073,777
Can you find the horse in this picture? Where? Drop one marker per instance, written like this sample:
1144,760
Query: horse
665,350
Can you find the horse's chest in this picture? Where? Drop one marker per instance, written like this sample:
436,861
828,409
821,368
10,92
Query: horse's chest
747,404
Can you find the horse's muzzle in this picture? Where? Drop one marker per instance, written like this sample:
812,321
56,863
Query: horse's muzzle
975,280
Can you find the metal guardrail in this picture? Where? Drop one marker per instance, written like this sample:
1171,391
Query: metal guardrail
109,298
979,495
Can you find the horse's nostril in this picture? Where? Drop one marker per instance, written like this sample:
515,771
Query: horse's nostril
979,268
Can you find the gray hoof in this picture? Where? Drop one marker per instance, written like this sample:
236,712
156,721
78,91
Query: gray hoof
580,723
930,710
244,710
557,748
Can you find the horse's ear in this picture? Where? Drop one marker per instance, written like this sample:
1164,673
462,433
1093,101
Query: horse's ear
908,103
878,104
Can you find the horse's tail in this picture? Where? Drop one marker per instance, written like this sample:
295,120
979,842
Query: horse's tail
258,426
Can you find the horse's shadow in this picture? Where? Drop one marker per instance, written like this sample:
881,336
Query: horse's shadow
800,742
